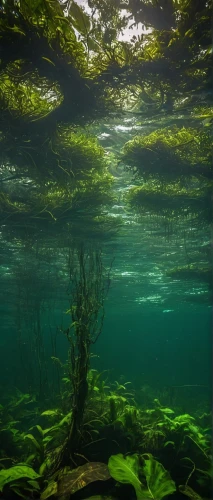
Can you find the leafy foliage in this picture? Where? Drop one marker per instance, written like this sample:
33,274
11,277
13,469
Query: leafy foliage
127,470
192,271
172,199
72,481
170,153
61,69
19,477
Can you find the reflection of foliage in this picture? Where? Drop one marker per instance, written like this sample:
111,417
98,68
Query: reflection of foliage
192,272
50,170
170,152
70,178
181,31
62,67
172,199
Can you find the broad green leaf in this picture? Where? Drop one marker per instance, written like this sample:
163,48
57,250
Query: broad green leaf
82,476
80,20
126,470
92,44
12,474
159,482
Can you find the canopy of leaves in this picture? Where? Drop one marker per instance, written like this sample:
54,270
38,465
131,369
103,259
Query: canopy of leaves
172,199
61,67
192,272
170,153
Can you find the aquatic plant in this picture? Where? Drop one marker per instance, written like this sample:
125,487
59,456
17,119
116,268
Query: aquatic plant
62,188
88,288
71,481
170,153
129,469
192,271
41,441
21,479
172,199
62,68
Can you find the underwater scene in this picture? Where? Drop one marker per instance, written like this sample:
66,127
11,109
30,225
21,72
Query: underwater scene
106,189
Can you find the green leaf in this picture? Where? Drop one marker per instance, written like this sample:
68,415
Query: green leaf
167,410
18,492
80,20
66,380
34,484
77,479
49,413
169,443
92,44
126,470
158,480
16,29
189,492
44,466
48,60
81,477
50,490
12,474
39,428
33,440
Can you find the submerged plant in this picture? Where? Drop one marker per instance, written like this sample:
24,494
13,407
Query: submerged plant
158,482
192,272
71,481
170,153
21,479
172,199
88,288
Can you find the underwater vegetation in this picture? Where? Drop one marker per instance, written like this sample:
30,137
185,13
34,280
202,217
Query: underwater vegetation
157,450
170,153
172,199
75,433
192,271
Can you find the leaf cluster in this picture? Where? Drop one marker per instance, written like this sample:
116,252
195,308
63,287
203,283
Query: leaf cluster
156,482
192,272
170,153
172,199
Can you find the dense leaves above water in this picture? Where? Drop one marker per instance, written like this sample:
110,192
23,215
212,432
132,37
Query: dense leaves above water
171,153
62,67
